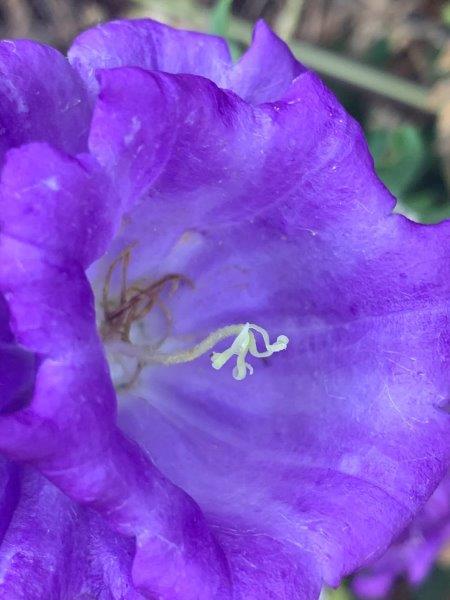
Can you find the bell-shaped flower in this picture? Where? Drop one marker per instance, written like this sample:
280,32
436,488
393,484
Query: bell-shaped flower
240,356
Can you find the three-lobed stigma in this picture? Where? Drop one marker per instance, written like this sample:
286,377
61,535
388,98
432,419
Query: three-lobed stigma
245,343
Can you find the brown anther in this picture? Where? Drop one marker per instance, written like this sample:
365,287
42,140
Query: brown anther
136,301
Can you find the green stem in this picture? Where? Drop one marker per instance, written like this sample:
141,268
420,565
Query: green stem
288,18
364,77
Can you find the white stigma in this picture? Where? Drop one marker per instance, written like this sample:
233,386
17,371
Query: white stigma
245,343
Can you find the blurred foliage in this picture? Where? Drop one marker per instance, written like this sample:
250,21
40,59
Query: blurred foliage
220,24
404,161
400,156
446,14
341,594
387,60
220,17
55,22
436,587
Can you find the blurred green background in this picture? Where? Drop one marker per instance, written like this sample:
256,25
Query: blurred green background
387,60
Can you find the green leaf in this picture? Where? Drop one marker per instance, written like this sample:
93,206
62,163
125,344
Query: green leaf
445,12
340,594
436,586
400,157
220,17
220,24
423,207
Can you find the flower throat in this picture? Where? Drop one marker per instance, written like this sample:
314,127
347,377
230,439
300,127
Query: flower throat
136,301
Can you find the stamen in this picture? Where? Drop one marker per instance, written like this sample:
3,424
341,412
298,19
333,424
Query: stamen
243,344
134,301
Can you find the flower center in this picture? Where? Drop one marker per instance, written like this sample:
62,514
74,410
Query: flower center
134,302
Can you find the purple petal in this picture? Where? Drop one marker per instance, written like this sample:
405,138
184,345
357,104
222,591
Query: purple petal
41,98
227,148
266,71
150,45
415,551
17,367
51,548
9,494
329,449
61,205
68,432
263,74
17,371
67,429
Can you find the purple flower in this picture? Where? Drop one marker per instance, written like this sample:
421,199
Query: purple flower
414,552
227,217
